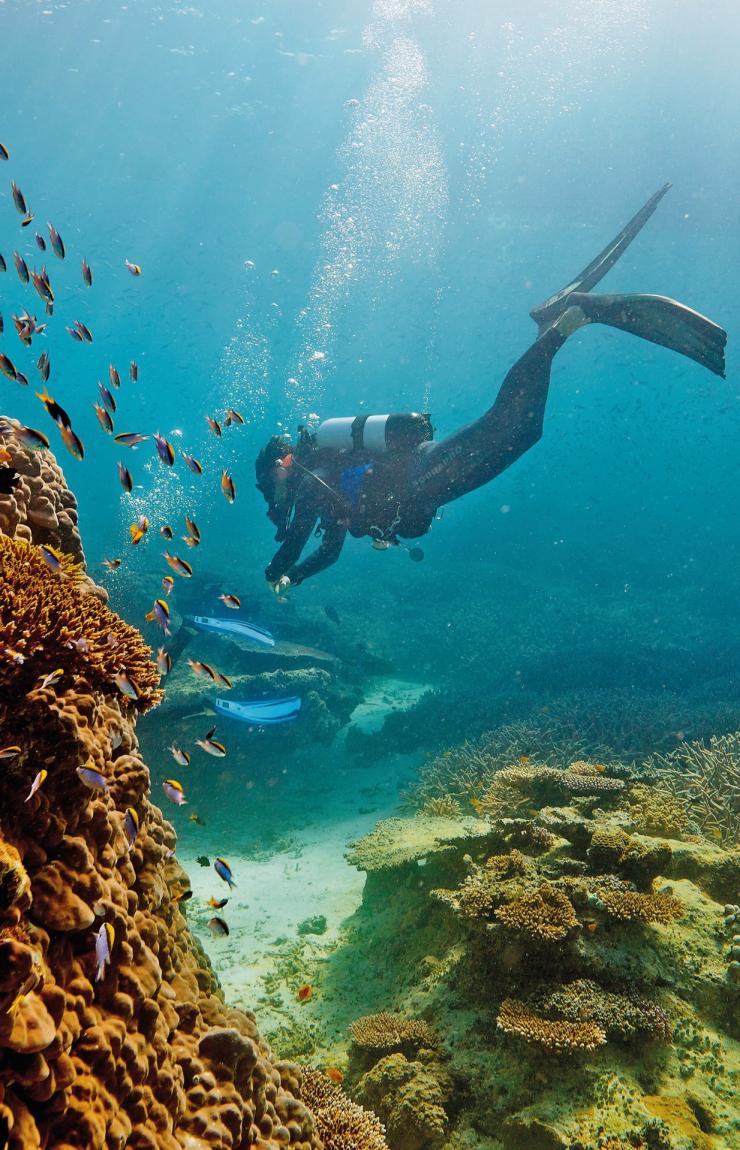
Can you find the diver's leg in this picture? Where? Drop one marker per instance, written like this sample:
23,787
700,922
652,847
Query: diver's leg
660,320
598,267
483,449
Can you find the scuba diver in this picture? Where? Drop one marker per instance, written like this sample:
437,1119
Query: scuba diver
383,475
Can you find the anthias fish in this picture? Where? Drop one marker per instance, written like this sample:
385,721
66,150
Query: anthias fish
160,613
107,398
179,566
93,779
103,418
174,792
216,903
232,601
87,277
223,870
21,267
165,450
112,564
181,757
115,379
168,583
304,992
125,477
57,413
18,199
192,464
32,439
127,686
135,269
218,927
104,940
164,661
133,371
131,827
72,442
211,746
130,438
227,486
56,242
37,782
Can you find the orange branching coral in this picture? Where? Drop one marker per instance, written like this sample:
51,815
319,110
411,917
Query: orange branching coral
48,622
544,914
340,1123
629,905
387,1031
562,1037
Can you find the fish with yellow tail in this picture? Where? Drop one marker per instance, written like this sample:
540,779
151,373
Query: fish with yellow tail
139,529
37,782
179,566
174,792
135,269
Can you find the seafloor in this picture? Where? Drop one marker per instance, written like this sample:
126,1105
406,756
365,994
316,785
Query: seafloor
502,925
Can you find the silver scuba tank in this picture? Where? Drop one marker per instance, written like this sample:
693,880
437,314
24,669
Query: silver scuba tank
377,434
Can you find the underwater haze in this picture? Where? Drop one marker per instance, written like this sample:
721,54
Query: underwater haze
347,208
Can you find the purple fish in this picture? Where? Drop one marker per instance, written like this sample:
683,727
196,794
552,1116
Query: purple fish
174,792
93,779
104,940
131,827
223,870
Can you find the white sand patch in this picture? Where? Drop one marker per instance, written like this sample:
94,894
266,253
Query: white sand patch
385,697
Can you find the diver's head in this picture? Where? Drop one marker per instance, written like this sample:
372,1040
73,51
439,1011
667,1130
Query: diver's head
275,479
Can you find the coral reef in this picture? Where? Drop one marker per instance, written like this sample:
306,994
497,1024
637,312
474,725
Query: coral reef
706,778
48,623
554,1035
341,1124
411,1097
397,841
628,905
112,1029
40,508
387,1031
545,913
656,810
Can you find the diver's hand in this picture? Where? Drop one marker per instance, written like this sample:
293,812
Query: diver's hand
281,586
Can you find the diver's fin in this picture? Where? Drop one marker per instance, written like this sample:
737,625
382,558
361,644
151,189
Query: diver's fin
598,267
660,320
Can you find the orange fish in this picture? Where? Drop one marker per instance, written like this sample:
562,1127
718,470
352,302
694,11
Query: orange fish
138,530
477,805
227,486
334,1074
523,759
304,993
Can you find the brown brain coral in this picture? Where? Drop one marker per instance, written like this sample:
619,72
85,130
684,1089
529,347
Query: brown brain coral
557,1035
628,905
340,1123
386,1031
543,914
49,622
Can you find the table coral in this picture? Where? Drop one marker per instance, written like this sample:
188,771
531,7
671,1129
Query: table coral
545,914
619,1015
630,905
555,1035
386,1031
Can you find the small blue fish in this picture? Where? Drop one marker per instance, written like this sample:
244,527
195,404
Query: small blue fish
107,398
131,827
93,779
104,940
160,613
165,450
192,464
223,870
51,558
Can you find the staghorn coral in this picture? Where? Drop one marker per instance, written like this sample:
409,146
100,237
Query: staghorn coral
341,1124
656,810
706,778
48,621
628,905
443,806
558,1036
545,914
618,1015
387,1031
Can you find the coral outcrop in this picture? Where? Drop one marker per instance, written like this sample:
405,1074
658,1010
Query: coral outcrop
113,1031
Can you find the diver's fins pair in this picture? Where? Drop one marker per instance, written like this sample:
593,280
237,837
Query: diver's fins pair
655,318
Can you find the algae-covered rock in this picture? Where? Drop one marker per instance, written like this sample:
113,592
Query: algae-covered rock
409,1097
396,842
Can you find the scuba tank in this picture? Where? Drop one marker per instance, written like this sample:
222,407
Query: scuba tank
376,434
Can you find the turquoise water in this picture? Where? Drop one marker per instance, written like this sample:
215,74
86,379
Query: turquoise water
342,208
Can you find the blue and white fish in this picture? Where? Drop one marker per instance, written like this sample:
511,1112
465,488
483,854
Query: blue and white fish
93,779
174,792
104,940
131,827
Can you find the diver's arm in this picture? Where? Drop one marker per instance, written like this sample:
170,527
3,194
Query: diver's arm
296,538
325,554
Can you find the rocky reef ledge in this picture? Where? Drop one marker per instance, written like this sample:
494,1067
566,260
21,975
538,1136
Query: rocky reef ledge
140,1050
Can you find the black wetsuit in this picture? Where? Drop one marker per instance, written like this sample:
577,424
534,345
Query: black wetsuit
399,493
395,496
